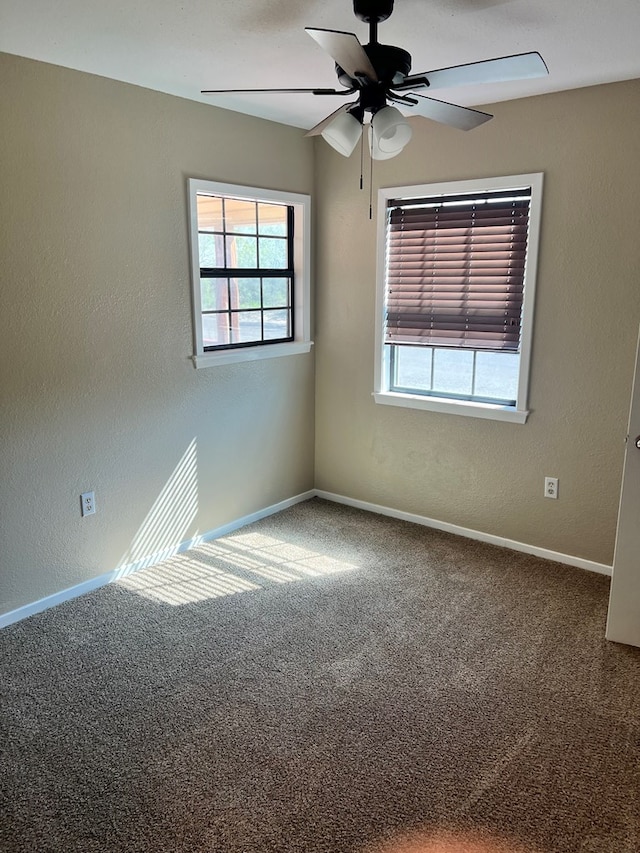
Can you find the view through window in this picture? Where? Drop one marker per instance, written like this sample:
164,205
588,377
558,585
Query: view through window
246,271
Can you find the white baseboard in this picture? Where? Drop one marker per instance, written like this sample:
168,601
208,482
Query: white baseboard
108,577
127,569
545,553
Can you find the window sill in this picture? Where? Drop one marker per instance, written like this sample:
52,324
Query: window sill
234,356
467,408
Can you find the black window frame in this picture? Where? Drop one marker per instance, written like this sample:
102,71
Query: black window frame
230,273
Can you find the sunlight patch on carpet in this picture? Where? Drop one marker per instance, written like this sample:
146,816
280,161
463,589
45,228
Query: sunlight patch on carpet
242,562
464,841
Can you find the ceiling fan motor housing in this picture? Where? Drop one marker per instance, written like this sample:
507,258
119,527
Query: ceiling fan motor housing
392,65
372,10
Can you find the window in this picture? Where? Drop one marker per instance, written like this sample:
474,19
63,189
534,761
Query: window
250,272
456,271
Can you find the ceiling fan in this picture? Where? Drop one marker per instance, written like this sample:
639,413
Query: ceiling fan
379,75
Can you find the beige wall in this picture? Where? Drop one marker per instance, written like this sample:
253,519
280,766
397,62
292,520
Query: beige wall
98,391
488,475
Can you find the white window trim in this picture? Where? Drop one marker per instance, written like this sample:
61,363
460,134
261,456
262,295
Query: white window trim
515,414
302,342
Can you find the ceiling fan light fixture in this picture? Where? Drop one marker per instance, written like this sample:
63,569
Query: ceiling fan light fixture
343,133
375,151
391,131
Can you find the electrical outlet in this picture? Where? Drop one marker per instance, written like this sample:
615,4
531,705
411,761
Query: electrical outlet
551,487
87,503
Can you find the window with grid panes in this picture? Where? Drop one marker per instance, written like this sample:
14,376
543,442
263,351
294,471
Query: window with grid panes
250,271
455,303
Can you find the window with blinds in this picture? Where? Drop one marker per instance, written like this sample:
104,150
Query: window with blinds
458,284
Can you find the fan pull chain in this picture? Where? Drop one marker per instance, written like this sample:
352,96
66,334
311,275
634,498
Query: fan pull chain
371,180
362,159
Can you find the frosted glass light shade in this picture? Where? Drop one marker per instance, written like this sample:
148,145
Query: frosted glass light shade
343,133
376,153
391,131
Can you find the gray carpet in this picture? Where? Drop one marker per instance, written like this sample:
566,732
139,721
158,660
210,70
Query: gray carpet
324,680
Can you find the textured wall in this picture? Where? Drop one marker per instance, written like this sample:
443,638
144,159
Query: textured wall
488,475
98,391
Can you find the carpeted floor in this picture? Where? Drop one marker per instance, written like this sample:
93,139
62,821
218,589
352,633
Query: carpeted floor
324,680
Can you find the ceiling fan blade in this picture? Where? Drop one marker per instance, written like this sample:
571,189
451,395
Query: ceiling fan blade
280,91
346,50
455,116
318,128
518,67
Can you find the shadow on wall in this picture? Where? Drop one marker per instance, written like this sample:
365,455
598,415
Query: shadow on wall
169,519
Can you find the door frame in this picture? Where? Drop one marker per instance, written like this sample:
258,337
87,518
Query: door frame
623,621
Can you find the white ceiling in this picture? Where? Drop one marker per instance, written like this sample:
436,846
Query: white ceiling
182,46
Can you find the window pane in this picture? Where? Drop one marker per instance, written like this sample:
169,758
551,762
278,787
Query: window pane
275,292
211,250
247,327
453,371
209,213
245,293
413,367
242,252
240,216
273,252
497,375
276,324
215,330
272,219
214,294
